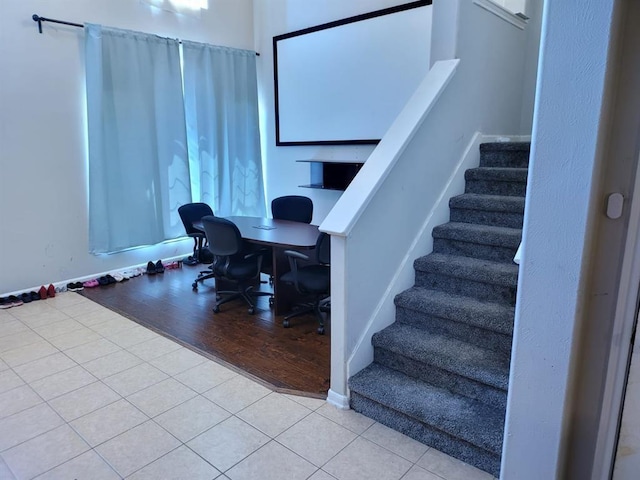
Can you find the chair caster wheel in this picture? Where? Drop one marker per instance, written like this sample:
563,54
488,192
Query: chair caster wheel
251,311
194,285
216,309
286,324
271,302
320,330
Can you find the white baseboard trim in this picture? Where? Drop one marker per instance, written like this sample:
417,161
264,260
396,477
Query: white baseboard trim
506,138
338,400
518,20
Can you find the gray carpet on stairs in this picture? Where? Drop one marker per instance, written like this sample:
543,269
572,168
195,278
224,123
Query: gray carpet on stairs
440,372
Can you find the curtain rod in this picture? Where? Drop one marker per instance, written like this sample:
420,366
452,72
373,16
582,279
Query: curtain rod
39,19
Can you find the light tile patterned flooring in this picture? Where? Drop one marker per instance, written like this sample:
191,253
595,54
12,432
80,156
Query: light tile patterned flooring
88,394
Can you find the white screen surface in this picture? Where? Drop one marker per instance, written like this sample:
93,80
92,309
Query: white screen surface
347,83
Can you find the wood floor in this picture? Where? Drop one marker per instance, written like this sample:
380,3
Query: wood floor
292,359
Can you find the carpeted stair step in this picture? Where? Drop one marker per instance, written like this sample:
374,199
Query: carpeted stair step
496,181
498,244
456,425
446,362
481,279
494,210
486,324
505,154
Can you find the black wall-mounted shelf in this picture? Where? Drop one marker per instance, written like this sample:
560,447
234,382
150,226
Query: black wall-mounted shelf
331,174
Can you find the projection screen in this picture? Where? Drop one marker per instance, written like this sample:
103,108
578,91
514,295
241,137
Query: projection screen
345,82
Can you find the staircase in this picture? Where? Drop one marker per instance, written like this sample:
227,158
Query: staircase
440,372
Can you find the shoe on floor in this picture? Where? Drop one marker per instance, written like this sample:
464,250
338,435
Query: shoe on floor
15,301
25,297
110,279
190,261
34,296
51,291
5,303
43,293
118,277
159,267
75,286
151,268
91,283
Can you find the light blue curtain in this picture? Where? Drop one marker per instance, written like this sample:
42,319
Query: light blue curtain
221,103
138,162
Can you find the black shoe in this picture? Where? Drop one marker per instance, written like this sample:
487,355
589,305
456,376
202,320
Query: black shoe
151,268
190,261
14,301
75,286
110,279
159,267
34,296
25,297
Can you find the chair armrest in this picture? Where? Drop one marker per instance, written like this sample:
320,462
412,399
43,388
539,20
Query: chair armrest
255,253
294,254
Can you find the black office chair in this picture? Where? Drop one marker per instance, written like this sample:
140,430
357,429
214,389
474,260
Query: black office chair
292,207
190,213
313,280
193,212
232,262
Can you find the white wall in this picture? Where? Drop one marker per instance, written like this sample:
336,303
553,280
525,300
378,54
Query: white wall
43,184
574,52
534,27
276,17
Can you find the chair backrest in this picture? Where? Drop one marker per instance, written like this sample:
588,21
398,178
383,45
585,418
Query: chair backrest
193,212
295,208
223,236
323,248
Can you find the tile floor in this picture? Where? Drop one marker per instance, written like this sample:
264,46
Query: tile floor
88,394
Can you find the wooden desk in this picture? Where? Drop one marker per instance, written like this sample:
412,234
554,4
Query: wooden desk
280,235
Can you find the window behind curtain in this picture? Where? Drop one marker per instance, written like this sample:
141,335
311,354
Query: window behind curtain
221,102
141,167
138,164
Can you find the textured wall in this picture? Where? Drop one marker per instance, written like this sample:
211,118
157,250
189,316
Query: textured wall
559,197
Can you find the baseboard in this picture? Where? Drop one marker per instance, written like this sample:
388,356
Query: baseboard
338,400
505,138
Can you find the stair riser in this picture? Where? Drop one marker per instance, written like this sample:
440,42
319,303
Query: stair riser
474,250
483,217
498,342
512,159
463,286
427,434
486,394
496,187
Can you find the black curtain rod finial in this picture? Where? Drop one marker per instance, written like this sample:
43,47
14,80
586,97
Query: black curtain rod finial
36,18
39,19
